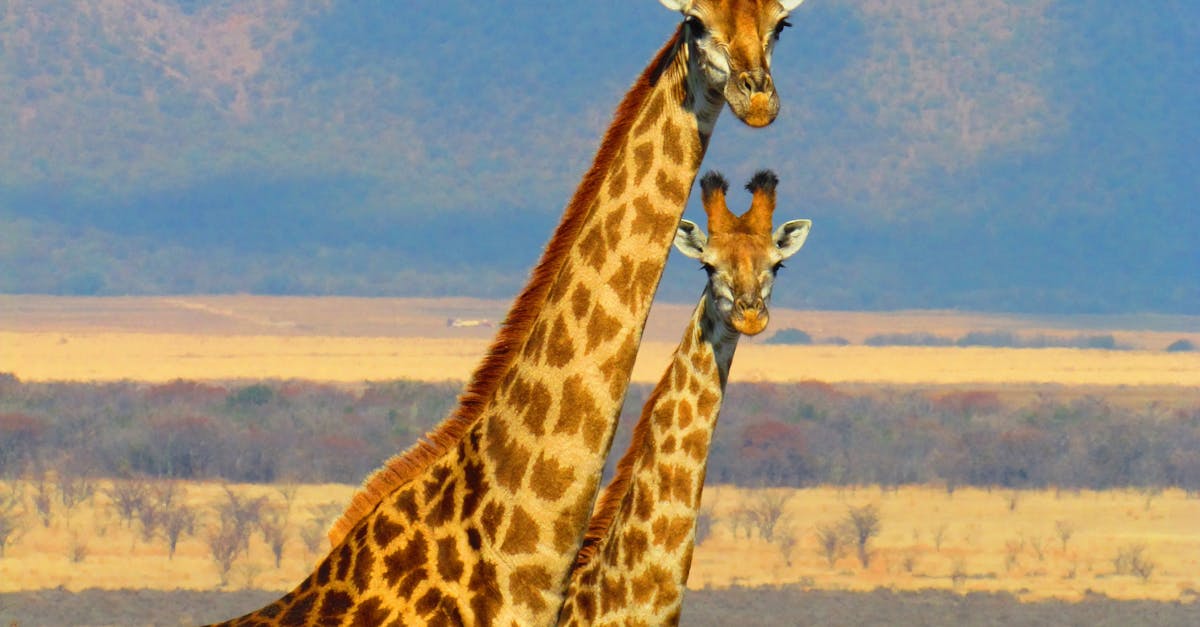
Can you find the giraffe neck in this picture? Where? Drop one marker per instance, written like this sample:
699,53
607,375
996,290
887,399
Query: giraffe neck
480,523
634,565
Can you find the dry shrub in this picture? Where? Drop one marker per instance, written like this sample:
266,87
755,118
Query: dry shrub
787,539
1064,530
78,550
43,499
1012,553
939,536
958,571
862,524
11,514
829,542
127,496
1131,559
764,511
273,526
224,544
315,533
73,489
177,520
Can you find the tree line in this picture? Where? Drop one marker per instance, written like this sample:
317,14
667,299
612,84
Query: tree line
798,434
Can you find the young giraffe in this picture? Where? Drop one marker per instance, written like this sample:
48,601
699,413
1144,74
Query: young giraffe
480,523
635,558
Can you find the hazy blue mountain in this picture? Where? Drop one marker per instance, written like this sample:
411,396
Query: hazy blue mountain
1037,156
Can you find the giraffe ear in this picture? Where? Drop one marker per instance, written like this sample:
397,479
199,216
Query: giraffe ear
790,237
677,5
690,240
789,5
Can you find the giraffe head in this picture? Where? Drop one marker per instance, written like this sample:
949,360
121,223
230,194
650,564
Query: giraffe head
730,44
741,253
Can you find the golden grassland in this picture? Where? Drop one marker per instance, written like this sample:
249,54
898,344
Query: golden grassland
994,541
163,357
353,340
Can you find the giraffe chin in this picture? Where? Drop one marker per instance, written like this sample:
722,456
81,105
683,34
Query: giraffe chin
751,323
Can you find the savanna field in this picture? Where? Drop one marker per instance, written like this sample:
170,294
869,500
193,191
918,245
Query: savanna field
204,445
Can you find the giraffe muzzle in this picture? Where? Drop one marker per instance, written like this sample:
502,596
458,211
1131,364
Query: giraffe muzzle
749,317
752,98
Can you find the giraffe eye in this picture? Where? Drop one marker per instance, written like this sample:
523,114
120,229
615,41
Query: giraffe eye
696,26
776,267
707,268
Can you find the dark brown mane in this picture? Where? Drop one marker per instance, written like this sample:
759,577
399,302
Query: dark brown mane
614,494
404,467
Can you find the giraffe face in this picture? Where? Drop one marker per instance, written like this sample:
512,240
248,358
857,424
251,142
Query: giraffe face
730,42
741,254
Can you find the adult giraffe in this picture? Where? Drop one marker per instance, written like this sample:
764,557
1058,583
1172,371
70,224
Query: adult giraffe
635,559
480,522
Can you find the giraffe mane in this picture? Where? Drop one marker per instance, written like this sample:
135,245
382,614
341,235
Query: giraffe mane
404,467
614,493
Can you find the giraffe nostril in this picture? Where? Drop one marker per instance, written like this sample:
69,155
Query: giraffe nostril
747,83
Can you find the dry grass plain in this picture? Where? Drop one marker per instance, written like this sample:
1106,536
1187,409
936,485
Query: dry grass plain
351,340
991,546
977,530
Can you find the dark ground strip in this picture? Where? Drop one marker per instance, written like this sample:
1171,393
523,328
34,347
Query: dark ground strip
740,607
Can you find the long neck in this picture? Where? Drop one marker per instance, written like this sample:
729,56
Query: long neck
481,522
634,564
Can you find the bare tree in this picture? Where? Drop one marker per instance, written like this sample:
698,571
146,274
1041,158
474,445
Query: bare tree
958,571
73,489
78,549
1012,552
288,491
740,518
765,510
150,515
273,526
862,524
244,513
127,496
939,536
224,544
1064,530
1131,559
787,539
314,534
177,520
829,541
43,498
11,513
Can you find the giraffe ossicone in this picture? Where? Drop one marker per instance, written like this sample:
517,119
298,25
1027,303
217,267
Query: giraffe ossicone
634,563
480,522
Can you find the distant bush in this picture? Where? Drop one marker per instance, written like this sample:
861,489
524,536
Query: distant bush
790,336
779,435
908,339
1181,346
834,341
1007,339
251,396
999,339
1104,342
